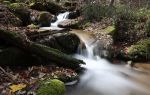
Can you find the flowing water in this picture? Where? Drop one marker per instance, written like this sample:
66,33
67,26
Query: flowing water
101,77
104,78
54,26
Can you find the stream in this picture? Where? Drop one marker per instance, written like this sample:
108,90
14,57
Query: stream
101,77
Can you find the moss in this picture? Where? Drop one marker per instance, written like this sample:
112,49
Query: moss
18,6
33,26
140,51
51,87
109,29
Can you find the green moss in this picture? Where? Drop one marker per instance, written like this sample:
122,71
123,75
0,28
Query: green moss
109,29
51,87
140,51
33,26
18,6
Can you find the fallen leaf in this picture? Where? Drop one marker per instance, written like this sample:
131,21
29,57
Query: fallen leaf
17,87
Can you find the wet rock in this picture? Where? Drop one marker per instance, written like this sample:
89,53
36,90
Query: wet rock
51,87
74,24
73,15
44,18
21,11
65,42
8,18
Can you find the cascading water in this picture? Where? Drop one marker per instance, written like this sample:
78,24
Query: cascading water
103,78
54,26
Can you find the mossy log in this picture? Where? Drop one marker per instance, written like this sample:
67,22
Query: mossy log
21,41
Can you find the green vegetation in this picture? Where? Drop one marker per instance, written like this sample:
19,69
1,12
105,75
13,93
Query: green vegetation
140,51
51,87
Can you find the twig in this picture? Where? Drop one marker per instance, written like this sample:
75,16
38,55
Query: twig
12,77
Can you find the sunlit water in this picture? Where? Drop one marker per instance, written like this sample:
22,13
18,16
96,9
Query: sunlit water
104,78
54,26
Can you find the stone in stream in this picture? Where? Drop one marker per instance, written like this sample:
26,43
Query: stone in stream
73,24
65,42
44,18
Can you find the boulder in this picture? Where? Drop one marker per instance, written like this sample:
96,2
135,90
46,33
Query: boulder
45,18
73,15
38,6
49,6
51,87
65,42
21,11
8,18
73,24
54,8
70,5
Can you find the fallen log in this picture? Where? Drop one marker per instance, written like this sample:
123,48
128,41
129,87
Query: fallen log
21,41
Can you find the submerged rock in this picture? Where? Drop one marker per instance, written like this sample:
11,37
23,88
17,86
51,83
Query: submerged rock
51,87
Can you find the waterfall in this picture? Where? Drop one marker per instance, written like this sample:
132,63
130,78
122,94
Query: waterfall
104,78
54,26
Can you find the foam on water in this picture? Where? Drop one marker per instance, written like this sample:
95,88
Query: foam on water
54,26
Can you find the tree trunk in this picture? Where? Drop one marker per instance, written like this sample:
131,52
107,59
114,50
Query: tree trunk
21,41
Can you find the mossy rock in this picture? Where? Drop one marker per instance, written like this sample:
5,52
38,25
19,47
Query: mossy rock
44,18
21,10
140,51
37,6
51,87
18,6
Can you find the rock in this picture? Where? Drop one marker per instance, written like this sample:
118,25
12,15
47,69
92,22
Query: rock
44,18
21,10
73,23
54,8
65,42
68,41
73,15
38,6
49,6
51,87
8,18
70,5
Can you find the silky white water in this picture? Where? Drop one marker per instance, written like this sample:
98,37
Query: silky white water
104,78
54,26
